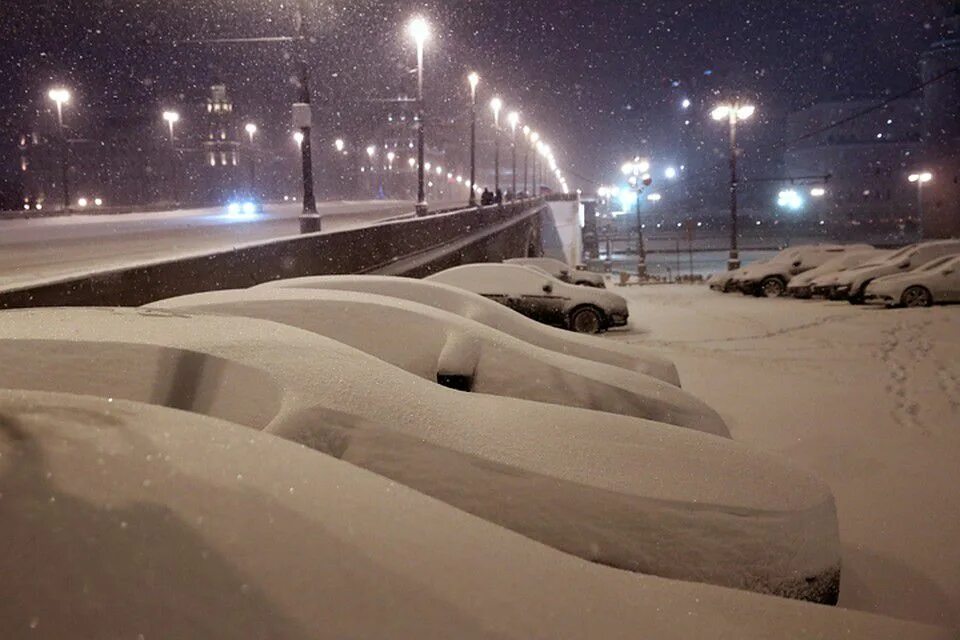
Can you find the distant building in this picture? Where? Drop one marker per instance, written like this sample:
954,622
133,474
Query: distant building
866,161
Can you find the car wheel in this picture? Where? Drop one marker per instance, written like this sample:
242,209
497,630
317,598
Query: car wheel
916,297
586,320
773,287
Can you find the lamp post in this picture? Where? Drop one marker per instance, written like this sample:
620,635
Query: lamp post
474,80
61,97
534,141
733,113
496,105
172,118
309,218
420,31
514,120
251,130
638,176
371,152
920,179
526,157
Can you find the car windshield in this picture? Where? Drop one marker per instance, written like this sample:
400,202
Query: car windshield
479,318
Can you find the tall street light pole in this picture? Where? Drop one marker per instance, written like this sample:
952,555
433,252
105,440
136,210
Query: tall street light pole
734,113
526,157
920,179
251,130
496,105
474,80
638,176
420,31
61,97
535,142
172,118
303,120
514,120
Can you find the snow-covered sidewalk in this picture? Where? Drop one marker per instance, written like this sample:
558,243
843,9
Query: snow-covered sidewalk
868,399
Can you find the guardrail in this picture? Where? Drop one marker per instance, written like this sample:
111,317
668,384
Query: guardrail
412,247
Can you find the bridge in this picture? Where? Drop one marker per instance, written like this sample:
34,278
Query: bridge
387,239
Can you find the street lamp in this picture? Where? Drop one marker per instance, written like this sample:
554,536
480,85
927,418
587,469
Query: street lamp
534,141
496,105
920,179
371,152
514,120
172,118
733,113
474,80
419,30
303,119
251,130
526,156
638,177
61,96
298,137
339,145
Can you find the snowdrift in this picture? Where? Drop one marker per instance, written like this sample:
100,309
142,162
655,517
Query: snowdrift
496,316
634,494
123,520
435,345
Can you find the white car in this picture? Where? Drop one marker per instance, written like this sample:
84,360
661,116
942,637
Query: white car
938,281
634,494
802,285
728,281
853,284
124,520
496,316
562,271
770,278
545,299
459,353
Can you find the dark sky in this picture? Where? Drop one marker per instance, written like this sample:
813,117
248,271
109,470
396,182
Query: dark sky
598,77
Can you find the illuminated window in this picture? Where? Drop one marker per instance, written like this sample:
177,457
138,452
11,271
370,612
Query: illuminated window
216,107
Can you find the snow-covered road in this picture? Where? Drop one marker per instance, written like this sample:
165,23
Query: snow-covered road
41,248
868,399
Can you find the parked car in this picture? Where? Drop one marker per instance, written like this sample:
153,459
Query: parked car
770,279
853,284
561,270
124,520
730,280
938,281
635,494
545,299
801,285
496,316
445,348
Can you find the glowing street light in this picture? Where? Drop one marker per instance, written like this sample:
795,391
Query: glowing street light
526,155
298,137
920,179
670,173
171,118
534,141
339,145
496,104
412,162
733,113
818,192
419,30
638,177
514,120
251,130
391,156
60,97
474,80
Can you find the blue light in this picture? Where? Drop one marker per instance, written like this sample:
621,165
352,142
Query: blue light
249,208
790,199
246,210
233,209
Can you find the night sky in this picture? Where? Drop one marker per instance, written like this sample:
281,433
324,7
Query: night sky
602,79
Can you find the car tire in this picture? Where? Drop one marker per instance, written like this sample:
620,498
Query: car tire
586,320
772,287
916,296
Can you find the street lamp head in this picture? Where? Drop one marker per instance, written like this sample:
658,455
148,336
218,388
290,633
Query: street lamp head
171,116
298,137
514,120
339,144
722,112
419,30
391,156
526,131
474,80
686,103
670,173
534,137
654,197
371,150
745,112
496,104
412,162
59,95
643,166
250,128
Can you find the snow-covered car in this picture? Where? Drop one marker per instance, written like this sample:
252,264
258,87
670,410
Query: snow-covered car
459,353
634,494
545,299
496,316
563,271
936,282
125,520
722,281
801,286
727,281
770,278
853,283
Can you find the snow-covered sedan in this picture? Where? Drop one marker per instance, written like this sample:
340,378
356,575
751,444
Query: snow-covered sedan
770,278
563,271
802,285
539,296
496,316
853,285
936,282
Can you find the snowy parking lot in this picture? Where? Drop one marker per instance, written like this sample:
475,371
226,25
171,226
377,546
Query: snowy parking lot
868,399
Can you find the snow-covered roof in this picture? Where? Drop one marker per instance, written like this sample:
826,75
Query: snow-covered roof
126,520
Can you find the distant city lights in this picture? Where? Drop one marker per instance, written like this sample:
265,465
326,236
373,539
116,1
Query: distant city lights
790,199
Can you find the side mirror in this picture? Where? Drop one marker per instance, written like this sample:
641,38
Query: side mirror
548,288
